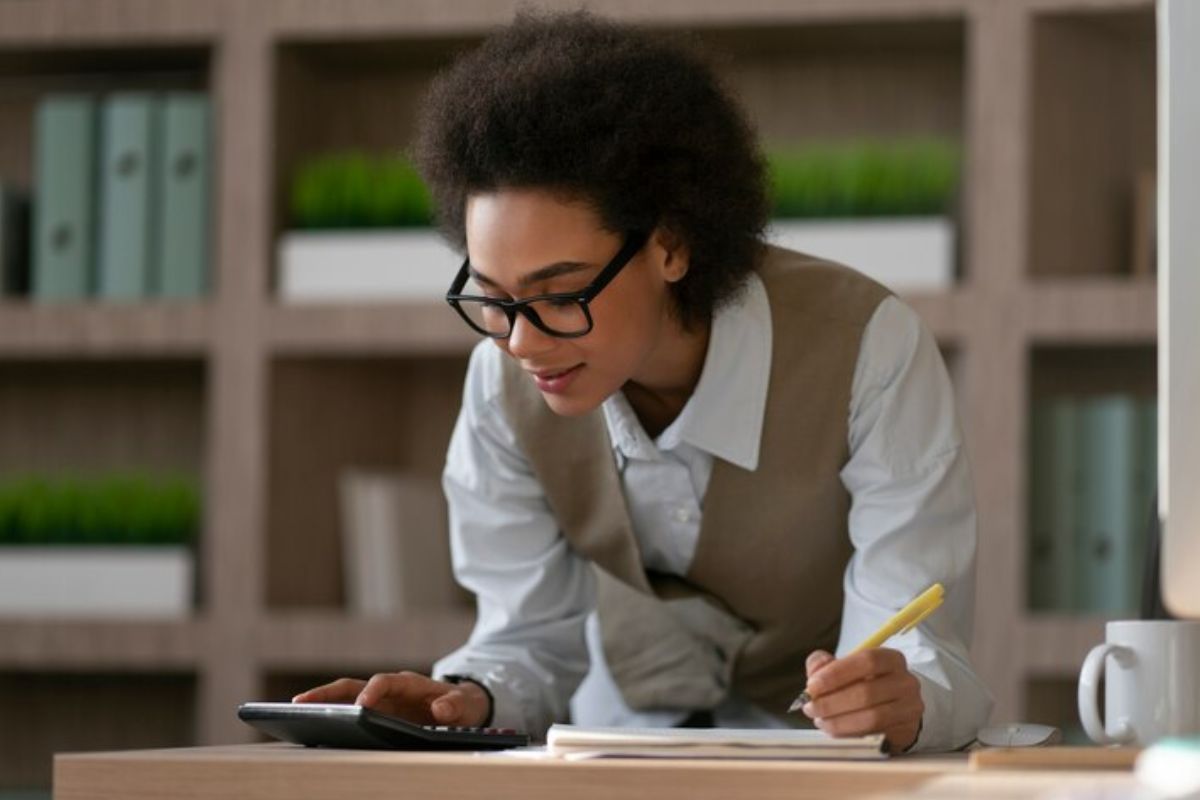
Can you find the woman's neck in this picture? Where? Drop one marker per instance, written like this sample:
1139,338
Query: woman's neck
665,384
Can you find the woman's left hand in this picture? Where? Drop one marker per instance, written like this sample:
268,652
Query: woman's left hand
867,692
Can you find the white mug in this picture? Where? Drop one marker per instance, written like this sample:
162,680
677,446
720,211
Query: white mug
1151,672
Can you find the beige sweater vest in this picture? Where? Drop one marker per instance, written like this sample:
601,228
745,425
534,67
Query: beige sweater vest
765,586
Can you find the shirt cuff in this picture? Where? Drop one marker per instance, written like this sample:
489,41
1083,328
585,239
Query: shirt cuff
491,698
953,714
508,710
932,738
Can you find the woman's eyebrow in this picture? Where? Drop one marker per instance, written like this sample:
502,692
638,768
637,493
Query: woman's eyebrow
538,275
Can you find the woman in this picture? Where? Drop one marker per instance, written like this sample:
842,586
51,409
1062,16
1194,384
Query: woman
700,467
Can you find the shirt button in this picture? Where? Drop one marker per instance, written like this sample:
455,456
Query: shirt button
682,514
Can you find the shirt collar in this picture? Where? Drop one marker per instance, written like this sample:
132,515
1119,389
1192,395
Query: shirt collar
724,415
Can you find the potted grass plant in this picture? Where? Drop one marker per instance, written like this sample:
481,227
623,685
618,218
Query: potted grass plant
360,229
882,207
119,545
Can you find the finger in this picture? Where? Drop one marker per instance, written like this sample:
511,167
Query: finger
864,694
400,689
856,667
343,690
449,708
876,719
816,660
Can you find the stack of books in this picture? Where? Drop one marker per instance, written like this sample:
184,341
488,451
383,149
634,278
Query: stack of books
120,207
1092,489
395,545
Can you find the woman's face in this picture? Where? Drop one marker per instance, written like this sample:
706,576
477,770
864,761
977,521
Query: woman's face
514,233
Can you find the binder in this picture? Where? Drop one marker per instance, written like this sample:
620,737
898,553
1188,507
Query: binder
1041,509
1108,583
14,241
64,174
127,207
1054,494
1052,491
182,253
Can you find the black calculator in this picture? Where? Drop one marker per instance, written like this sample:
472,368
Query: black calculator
357,728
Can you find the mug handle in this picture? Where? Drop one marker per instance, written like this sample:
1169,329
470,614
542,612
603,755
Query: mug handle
1089,684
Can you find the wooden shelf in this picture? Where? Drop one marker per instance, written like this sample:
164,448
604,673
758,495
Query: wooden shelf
1055,645
269,403
67,711
368,19
1092,132
1092,368
330,415
410,329
99,645
947,314
90,330
58,23
1091,310
315,641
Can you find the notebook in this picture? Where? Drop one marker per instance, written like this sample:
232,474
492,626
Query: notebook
578,742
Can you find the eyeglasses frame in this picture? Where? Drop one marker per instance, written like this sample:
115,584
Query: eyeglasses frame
634,242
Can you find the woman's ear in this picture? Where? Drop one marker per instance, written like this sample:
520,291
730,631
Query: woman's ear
671,253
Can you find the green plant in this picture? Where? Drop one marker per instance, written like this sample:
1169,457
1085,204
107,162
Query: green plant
863,178
115,509
357,190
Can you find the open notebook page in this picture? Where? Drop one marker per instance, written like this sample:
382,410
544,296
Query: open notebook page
574,741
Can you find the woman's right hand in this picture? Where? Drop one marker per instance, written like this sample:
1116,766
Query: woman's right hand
410,696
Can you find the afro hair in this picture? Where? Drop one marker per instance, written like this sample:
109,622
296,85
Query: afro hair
636,125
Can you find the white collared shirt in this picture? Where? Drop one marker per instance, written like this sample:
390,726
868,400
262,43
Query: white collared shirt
911,522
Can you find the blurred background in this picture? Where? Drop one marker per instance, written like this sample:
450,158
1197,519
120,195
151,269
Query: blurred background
227,379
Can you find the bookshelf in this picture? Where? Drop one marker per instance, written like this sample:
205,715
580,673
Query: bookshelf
265,402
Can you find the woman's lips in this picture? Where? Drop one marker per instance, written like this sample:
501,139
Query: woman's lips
555,381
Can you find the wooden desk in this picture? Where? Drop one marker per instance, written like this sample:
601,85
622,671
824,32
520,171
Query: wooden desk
287,772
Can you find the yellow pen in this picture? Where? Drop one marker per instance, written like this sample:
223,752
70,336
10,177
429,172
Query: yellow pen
905,620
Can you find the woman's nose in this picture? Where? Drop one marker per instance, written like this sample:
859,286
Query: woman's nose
526,341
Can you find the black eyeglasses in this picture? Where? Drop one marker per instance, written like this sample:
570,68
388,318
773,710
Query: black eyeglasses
565,314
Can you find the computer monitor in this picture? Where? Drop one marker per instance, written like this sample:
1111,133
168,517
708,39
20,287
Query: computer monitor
1179,302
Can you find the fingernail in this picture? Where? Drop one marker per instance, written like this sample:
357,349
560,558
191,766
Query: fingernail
443,707
807,709
296,699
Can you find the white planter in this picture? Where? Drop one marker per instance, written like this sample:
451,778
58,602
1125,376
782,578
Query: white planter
115,581
364,266
906,254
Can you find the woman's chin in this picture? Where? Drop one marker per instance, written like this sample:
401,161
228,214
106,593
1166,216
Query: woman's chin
572,404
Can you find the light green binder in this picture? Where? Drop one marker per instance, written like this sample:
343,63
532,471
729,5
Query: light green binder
1109,516
1066,481
182,254
64,181
128,217
1039,567
1053,490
